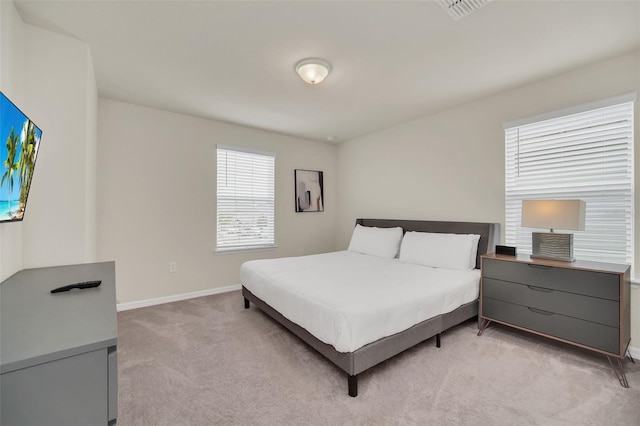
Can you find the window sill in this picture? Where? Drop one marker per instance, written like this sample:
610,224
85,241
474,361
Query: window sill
232,250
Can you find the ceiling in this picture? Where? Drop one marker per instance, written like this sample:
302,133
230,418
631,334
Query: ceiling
393,61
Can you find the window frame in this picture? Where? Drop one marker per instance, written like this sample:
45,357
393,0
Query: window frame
515,234
248,245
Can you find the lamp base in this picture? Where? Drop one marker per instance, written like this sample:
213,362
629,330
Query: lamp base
552,246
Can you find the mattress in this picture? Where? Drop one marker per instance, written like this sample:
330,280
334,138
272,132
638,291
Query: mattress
348,299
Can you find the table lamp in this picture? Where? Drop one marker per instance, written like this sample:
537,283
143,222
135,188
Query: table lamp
553,214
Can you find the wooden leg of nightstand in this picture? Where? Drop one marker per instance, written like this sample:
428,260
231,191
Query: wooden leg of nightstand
628,354
619,370
485,324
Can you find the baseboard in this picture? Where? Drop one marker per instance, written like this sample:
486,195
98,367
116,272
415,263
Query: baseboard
175,298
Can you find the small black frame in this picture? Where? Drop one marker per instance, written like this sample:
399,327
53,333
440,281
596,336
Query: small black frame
309,190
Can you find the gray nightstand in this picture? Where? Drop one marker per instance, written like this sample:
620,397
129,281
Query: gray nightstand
58,352
582,303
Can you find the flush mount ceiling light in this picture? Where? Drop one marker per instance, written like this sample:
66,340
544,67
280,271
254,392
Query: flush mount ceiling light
458,9
313,70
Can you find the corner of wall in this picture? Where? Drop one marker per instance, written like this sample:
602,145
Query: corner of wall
61,96
91,161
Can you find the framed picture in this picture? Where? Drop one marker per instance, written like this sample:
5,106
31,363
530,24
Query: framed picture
309,191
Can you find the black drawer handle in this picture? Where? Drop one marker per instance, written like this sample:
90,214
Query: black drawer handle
542,289
539,311
539,266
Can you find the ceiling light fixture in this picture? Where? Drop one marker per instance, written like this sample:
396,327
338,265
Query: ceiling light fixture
313,70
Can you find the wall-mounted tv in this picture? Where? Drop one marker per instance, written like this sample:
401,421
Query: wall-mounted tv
19,144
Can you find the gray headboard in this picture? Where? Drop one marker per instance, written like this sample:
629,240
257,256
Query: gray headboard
489,232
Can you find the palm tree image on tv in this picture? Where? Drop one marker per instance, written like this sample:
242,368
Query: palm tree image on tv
10,167
27,160
19,142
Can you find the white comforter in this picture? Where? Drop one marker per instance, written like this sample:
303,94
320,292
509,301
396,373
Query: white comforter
348,299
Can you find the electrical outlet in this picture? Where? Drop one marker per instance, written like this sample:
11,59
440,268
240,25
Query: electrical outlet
173,267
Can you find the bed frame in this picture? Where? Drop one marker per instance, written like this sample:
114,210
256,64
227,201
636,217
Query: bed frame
354,363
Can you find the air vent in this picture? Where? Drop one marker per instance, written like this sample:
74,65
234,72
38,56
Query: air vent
458,9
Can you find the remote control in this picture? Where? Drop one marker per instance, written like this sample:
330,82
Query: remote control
82,285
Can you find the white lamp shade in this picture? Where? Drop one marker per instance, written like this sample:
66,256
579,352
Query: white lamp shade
554,214
312,70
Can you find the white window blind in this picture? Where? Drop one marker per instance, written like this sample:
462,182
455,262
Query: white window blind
587,156
245,195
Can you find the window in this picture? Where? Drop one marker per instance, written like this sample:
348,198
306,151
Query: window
245,213
582,153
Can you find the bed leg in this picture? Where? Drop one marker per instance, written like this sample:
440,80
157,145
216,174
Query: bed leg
438,340
353,386
246,303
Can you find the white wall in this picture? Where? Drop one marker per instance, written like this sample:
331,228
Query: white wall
11,61
62,96
157,199
51,78
450,165
90,248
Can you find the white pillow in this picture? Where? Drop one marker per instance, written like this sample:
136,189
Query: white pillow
451,251
381,242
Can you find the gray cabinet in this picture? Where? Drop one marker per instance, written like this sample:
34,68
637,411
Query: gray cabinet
58,352
586,304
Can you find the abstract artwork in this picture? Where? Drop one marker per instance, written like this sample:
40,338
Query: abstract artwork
309,191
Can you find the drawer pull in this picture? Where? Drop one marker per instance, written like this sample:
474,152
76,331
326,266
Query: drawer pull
539,266
542,289
539,311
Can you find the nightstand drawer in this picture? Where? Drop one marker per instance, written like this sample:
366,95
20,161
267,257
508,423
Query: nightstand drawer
575,330
590,283
588,308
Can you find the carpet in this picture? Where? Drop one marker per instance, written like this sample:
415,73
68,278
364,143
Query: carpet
208,361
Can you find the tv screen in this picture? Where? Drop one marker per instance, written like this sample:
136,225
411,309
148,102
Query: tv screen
19,143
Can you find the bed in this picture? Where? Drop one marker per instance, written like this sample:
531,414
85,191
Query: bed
321,298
